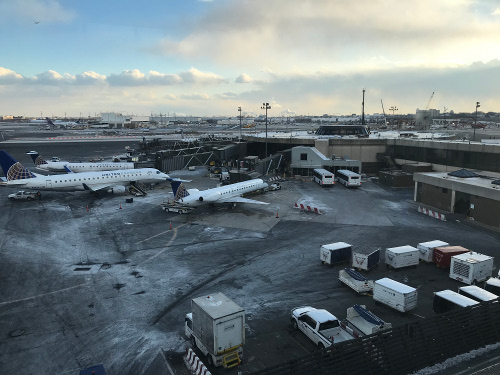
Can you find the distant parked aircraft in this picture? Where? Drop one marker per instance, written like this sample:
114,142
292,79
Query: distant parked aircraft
62,166
18,176
224,194
478,126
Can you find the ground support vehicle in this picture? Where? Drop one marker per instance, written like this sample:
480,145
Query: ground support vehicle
400,297
25,195
362,260
356,281
442,255
471,268
476,293
216,326
176,207
320,326
335,253
401,256
446,300
493,285
427,249
365,322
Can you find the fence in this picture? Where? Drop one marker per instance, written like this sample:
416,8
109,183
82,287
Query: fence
403,349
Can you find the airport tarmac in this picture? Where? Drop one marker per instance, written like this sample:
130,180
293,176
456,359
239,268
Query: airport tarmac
89,280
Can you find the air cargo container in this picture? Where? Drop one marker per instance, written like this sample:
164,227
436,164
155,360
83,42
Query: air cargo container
471,268
401,256
447,300
216,326
400,297
364,322
426,249
365,260
476,293
442,255
356,281
493,285
337,252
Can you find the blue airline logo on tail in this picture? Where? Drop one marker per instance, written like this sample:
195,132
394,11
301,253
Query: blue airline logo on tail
12,169
37,159
179,190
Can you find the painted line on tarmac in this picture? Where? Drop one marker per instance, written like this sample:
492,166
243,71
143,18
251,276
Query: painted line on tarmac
42,295
166,246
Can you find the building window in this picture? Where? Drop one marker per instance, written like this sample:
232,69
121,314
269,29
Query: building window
444,190
303,156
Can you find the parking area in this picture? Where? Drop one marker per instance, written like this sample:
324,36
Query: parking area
97,280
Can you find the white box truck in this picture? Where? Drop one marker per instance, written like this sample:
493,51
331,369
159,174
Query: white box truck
401,256
426,249
394,294
216,326
471,268
334,253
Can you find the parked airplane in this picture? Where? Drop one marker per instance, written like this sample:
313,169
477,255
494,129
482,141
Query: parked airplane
18,176
224,194
61,123
59,166
478,126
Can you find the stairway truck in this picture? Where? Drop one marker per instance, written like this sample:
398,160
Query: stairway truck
401,256
471,268
364,322
216,326
426,249
365,260
442,255
399,296
334,253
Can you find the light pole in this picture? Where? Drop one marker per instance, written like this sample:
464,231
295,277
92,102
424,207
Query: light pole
266,106
239,110
475,121
393,108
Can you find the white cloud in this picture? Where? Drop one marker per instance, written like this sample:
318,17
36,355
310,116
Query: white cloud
43,11
496,12
132,77
198,77
164,79
195,96
243,78
89,78
8,76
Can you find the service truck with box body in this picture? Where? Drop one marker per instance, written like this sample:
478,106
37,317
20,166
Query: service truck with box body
402,256
426,249
442,255
334,253
471,268
363,259
320,326
394,294
356,281
216,326
364,322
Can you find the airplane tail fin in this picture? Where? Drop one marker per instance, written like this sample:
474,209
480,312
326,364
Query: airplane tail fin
179,190
37,159
12,169
49,121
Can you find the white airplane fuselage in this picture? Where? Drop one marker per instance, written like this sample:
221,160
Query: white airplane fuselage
104,180
222,194
58,166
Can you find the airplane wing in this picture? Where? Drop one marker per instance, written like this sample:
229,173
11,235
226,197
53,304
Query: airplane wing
239,200
96,187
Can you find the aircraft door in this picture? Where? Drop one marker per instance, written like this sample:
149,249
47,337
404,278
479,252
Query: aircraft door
48,184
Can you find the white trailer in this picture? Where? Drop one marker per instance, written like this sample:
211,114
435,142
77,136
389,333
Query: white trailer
400,297
335,253
216,327
356,281
471,268
476,293
364,322
426,249
401,256
365,260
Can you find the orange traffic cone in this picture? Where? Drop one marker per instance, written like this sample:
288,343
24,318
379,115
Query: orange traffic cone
170,225
277,217
120,206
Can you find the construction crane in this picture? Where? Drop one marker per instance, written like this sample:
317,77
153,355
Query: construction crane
429,102
383,111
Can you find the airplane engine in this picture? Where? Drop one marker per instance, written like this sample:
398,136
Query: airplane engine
200,199
117,190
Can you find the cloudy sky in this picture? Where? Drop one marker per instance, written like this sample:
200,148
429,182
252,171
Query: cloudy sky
195,57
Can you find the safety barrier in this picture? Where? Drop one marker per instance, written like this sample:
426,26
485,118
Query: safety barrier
194,364
307,208
431,213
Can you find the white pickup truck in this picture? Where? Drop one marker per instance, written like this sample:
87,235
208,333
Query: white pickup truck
322,327
25,195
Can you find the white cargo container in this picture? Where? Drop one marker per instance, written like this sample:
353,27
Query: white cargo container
426,249
335,253
217,327
471,268
365,259
364,322
394,294
401,256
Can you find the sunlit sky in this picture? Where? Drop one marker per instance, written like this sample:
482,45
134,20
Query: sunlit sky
207,58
